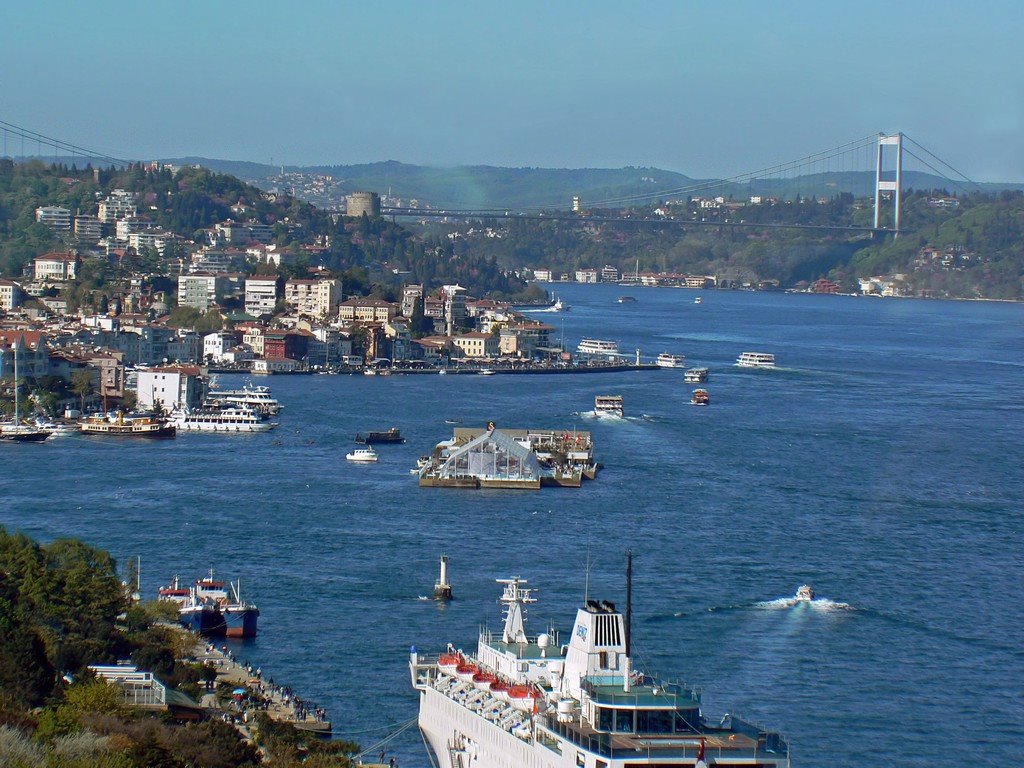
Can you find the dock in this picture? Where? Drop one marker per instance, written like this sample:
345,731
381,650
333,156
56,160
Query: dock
525,459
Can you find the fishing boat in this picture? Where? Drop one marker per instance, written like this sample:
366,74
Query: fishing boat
362,455
608,406
695,375
120,424
393,435
553,701
756,360
666,360
700,397
225,418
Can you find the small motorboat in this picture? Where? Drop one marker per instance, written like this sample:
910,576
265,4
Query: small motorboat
698,300
363,455
700,397
805,593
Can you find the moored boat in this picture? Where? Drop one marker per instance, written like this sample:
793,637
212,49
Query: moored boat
258,398
598,348
227,418
120,424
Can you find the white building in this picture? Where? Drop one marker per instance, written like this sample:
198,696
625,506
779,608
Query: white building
261,294
11,295
180,386
118,205
542,275
215,345
132,225
56,218
154,239
587,276
316,298
55,267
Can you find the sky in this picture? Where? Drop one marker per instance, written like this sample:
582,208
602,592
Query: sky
706,89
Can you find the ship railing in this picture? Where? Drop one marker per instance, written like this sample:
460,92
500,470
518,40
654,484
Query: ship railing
680,745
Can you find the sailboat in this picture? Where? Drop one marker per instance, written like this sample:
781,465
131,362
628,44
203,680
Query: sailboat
18,432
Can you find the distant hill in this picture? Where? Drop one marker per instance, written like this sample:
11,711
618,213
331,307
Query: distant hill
485,186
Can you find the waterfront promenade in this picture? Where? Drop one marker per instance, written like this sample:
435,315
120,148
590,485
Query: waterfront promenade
263,694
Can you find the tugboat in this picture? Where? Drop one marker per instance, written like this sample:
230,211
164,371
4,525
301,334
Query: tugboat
547,701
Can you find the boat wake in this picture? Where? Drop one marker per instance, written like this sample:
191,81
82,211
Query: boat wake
817,604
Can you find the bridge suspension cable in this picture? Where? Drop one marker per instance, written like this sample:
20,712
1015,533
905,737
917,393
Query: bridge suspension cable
57,144
941,162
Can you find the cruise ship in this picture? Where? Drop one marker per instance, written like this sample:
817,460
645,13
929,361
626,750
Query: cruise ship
528,701
598,348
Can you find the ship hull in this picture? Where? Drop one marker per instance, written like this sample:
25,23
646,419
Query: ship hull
241,623
205,621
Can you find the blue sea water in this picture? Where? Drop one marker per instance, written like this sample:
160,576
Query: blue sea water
881,463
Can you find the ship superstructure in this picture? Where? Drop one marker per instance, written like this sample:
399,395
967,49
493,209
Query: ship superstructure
528,701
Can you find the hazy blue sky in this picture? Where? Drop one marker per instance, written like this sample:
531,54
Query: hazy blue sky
701,88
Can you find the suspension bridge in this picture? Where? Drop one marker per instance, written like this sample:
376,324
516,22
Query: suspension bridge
879,155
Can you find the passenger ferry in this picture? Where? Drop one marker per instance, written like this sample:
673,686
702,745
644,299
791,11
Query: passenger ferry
608,405
224,419
665,360
695,375
756,360
121,425
257,398
546,701
598,348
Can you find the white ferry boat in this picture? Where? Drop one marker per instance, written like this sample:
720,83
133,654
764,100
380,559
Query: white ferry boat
665,360
695,375
224,419
598,348
756,360
805,593
608,405
257,398
547,702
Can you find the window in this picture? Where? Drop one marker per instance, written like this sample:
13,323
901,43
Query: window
624,721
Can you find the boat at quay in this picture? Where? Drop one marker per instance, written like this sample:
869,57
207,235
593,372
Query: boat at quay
256,397
120,424
541,701
230,419
667,360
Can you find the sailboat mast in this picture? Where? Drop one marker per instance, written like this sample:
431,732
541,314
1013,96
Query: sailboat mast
17,417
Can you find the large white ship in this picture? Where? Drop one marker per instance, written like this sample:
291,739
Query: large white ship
257,398
529,702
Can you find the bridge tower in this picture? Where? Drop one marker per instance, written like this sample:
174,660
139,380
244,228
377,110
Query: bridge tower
889,185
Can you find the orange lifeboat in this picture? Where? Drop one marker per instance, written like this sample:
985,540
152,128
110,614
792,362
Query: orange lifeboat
466,671
484,680
500,689
522,696
449,662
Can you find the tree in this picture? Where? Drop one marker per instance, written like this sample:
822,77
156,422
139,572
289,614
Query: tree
81,384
